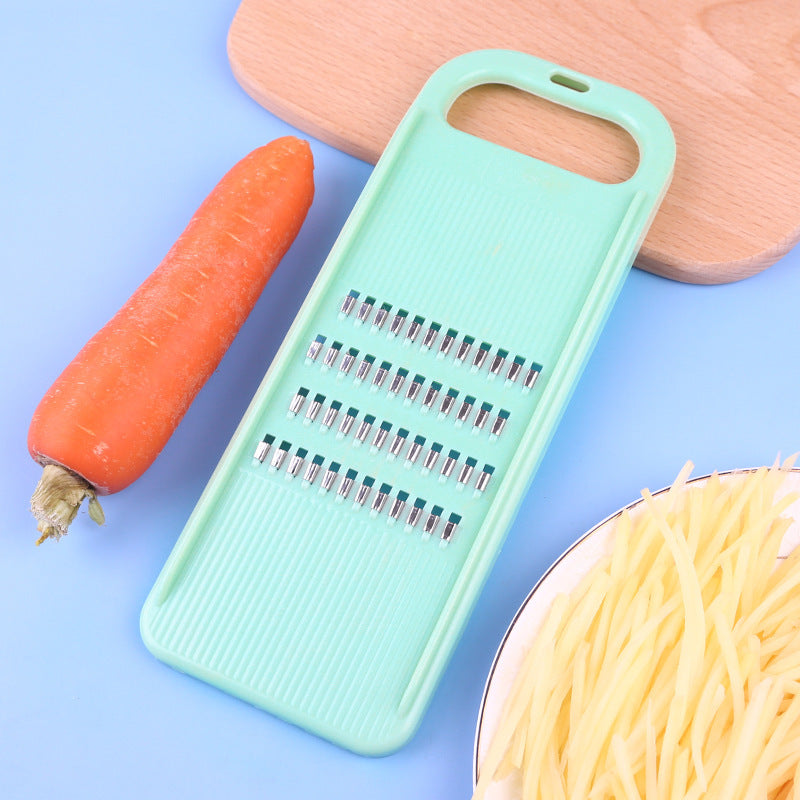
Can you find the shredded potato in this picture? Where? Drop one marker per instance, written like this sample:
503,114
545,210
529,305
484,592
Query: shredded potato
672,672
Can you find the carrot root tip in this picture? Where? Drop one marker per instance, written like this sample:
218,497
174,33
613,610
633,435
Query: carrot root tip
57,499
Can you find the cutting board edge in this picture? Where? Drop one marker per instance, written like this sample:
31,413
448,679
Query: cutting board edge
298,117
715,273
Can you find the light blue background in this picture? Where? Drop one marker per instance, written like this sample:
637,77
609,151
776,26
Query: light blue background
117,119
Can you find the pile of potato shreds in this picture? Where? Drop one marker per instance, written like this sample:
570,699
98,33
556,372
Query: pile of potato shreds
673,669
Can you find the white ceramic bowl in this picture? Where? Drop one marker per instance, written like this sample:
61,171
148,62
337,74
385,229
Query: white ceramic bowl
563,576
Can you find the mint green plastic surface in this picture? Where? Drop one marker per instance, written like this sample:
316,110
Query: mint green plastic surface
339,618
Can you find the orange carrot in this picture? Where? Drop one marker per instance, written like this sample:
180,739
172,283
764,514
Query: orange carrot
112,410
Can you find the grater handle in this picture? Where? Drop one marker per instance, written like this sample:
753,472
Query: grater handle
642,120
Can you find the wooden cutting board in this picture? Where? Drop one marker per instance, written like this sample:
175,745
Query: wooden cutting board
725,74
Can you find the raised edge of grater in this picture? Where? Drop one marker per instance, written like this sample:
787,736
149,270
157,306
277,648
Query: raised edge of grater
334,557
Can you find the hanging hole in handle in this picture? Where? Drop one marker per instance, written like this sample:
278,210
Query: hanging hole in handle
575,141
569,82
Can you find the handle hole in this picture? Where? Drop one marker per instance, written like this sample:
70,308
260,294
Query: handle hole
569,82
516,119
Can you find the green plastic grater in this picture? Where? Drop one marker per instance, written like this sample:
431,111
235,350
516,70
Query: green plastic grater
336,553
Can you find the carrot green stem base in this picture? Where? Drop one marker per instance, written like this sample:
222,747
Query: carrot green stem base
56,501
